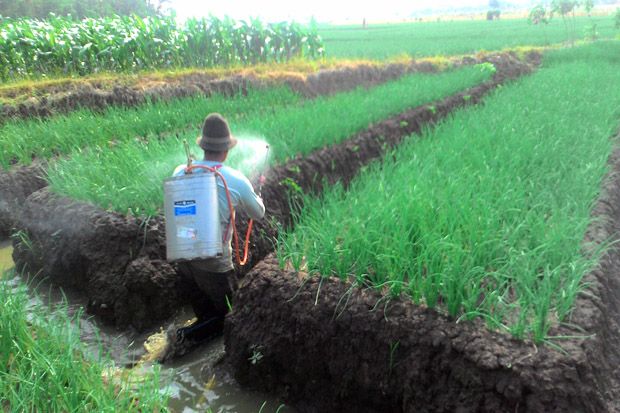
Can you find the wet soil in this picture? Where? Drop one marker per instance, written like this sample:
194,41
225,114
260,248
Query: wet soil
391,355
6,260
184,380
119,261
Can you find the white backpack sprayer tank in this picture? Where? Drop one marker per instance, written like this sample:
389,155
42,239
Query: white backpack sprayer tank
192,217
191,207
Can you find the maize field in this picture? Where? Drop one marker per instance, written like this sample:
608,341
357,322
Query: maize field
64,46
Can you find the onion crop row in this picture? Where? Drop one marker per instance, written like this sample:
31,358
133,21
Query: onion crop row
43,138
485,215
30,47
130,176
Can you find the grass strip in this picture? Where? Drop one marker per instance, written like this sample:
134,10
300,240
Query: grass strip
44,138
43,367
130,176
381,41
485,215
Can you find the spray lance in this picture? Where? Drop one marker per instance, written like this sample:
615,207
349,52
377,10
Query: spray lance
261,179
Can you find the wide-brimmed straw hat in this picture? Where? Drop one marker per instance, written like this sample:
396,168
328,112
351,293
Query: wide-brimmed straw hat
216,136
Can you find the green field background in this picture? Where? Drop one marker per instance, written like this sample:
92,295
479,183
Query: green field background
451,37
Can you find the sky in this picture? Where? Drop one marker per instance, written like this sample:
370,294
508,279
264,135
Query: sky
322,10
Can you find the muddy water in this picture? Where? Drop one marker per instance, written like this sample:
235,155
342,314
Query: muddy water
6,262
193,383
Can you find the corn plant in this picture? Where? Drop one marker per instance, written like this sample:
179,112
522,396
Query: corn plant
62,45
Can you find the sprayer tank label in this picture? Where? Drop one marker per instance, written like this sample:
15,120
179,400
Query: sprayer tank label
187,233
184,208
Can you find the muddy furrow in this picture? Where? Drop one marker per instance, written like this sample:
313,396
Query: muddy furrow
119,262
399,357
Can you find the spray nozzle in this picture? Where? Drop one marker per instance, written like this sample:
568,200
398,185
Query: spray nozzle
188,153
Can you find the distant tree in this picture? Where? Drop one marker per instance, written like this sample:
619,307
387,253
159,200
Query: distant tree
494,11
590,30
539,15
80,8
617,18
493,14
566,9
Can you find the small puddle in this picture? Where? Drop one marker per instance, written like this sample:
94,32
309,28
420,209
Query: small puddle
6,259
192,382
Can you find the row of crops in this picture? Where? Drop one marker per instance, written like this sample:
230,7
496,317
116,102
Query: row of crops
483,216
44,366
108,177
60,135
130,43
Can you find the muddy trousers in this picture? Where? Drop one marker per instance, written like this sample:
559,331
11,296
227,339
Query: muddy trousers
216,289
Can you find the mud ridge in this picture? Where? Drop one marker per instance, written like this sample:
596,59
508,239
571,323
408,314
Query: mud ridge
15,186
119,262
95,96
321,83
312,333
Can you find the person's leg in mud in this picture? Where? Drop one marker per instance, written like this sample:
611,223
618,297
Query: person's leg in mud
210,302
199,301
219,288
216,290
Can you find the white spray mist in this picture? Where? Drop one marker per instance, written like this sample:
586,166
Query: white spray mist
250,155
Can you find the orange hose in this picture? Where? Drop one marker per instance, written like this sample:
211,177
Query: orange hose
189,169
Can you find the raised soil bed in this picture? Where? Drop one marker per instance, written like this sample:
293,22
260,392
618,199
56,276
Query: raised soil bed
15,186
119,261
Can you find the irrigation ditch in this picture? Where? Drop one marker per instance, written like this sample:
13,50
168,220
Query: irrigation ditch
119,261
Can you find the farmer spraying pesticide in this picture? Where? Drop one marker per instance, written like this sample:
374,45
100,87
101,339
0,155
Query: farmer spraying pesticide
201,201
